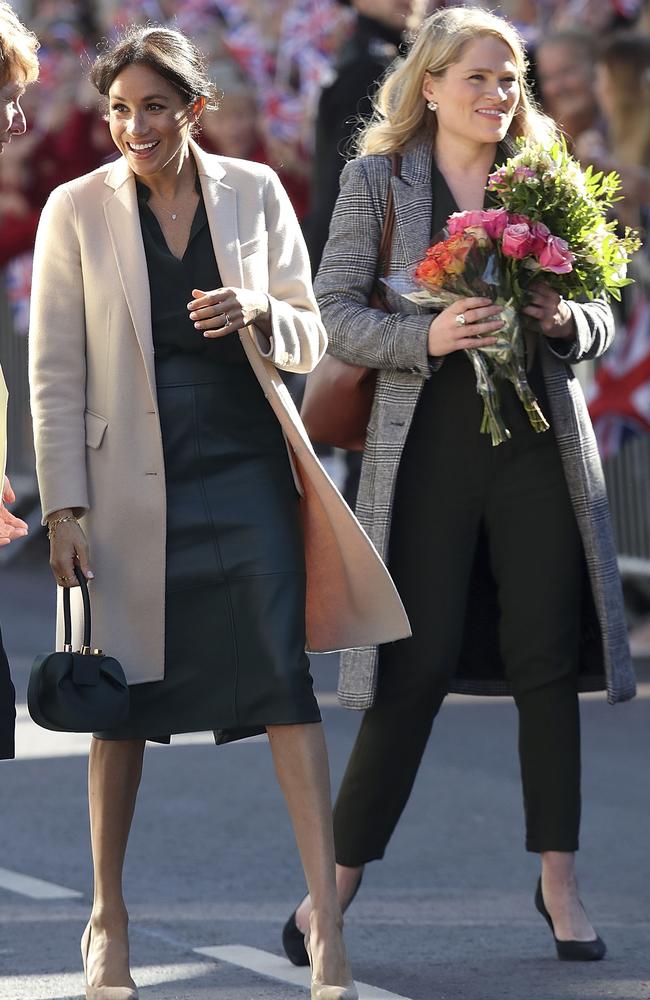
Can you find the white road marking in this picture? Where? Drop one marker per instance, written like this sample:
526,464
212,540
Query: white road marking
35,888
274,967
70,984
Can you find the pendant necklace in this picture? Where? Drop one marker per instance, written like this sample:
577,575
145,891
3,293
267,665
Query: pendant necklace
173,215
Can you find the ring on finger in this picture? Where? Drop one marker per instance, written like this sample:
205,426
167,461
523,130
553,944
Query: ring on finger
460,319
227,320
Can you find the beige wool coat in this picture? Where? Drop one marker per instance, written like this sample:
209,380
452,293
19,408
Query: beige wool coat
96,427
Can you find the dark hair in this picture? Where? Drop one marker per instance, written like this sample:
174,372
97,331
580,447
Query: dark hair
167,51
572,38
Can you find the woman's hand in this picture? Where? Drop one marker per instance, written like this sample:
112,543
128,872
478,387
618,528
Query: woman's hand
68,545
551,312
11,527
447,333
225,310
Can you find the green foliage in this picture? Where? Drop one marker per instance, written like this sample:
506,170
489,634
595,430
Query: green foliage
548,186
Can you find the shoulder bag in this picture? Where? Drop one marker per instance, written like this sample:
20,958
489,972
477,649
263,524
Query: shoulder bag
339,396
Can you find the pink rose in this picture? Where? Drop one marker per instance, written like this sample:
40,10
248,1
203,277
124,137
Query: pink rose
540,234
556,256
459,221
495,221
517,241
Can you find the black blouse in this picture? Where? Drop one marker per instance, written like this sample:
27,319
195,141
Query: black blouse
171,282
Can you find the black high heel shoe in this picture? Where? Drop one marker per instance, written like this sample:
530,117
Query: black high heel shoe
293,939
570,951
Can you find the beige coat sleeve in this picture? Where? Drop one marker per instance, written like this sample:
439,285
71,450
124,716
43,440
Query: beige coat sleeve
57,358
298,339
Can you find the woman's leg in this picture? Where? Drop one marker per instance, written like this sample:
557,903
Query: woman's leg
432,570
537,560
301,764
114,771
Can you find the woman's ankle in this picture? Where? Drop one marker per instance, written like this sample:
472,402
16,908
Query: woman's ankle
558,869
347,883
109,917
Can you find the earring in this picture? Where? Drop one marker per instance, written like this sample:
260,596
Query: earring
432,105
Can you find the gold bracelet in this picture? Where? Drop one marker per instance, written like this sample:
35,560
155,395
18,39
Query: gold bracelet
53,524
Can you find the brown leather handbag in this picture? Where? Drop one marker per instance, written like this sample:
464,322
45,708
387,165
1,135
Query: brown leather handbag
339,396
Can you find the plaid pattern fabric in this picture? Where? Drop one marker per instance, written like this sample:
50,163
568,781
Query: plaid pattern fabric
396,344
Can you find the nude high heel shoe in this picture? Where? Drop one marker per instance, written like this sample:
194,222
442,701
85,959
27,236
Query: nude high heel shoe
319,991
104,992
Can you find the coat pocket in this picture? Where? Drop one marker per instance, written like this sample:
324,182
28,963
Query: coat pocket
95,428
254,245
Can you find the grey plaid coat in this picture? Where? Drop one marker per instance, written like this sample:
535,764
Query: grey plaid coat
396,344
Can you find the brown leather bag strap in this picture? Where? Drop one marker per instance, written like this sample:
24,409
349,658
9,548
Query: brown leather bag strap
386,242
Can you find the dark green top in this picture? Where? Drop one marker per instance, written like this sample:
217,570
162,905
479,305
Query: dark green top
171,282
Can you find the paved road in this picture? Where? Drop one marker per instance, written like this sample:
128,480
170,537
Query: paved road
447,916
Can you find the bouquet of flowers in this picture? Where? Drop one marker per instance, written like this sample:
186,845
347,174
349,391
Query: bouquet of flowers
550,222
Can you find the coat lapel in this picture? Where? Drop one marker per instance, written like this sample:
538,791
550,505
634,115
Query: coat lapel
122,219
221,209
413,204
123,222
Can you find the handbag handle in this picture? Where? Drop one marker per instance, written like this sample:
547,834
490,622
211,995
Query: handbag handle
386,242
378,299
67,617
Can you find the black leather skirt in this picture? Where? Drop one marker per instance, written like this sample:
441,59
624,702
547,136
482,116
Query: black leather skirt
235,656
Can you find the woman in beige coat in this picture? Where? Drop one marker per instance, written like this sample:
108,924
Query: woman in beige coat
169,286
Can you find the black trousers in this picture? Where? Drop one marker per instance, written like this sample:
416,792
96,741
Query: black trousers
453,484
7,708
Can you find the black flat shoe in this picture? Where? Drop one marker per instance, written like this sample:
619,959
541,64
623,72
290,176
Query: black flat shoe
570,951
293,940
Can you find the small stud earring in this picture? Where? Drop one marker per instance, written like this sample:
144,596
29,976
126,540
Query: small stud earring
432,105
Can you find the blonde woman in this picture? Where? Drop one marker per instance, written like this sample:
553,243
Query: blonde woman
18,68
489,547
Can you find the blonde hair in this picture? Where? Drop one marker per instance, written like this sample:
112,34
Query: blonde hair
18,48
400,110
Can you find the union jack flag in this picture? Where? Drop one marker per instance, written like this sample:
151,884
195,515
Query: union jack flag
620,403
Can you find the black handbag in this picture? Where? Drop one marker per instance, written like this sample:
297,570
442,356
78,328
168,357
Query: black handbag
77,692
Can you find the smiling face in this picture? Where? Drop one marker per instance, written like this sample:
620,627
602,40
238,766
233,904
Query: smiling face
12,119
149,120
476,96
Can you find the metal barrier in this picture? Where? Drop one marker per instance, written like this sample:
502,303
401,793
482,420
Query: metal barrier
627,474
